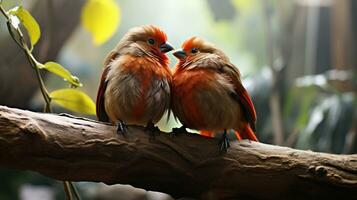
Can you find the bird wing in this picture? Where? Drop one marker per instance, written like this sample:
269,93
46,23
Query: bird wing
101,114
240,94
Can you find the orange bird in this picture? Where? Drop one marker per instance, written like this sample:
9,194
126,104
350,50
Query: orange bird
135,83
208,95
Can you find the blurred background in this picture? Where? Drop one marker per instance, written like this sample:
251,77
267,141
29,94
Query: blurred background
297,58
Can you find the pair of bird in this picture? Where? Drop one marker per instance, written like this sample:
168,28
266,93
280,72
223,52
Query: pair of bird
204,91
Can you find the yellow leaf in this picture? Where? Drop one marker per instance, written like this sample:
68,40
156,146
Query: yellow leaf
74,100
101,18
31,25
62,72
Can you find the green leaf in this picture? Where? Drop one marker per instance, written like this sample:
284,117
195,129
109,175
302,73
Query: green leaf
74,100
10,3
62,72
101,18
31,25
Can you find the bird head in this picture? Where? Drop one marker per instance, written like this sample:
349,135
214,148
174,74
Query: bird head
196,48
145,40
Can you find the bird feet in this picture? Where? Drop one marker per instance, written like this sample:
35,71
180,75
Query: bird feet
152,130
122,128
178,131
224,143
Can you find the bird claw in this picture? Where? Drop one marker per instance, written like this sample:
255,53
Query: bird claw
152,130
224,143
178,131
122,128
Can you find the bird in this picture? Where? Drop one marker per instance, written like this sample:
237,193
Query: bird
135,83
208,95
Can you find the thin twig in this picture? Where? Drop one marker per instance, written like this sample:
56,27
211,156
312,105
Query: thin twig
67,190
74,190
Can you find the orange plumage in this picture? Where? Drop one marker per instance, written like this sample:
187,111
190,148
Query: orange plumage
208,94
135,83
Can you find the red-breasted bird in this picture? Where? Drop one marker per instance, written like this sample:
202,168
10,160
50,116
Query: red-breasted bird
208,95
135,84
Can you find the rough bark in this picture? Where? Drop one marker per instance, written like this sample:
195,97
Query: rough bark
188,165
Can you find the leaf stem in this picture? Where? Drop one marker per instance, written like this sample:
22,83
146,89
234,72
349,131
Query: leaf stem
20,41
4,12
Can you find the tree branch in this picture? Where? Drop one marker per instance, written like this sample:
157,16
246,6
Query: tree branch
74,149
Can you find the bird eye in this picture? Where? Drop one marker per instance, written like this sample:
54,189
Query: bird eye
151,41
194,50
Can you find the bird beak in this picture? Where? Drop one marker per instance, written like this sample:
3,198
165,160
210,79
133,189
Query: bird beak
166,47
180,54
